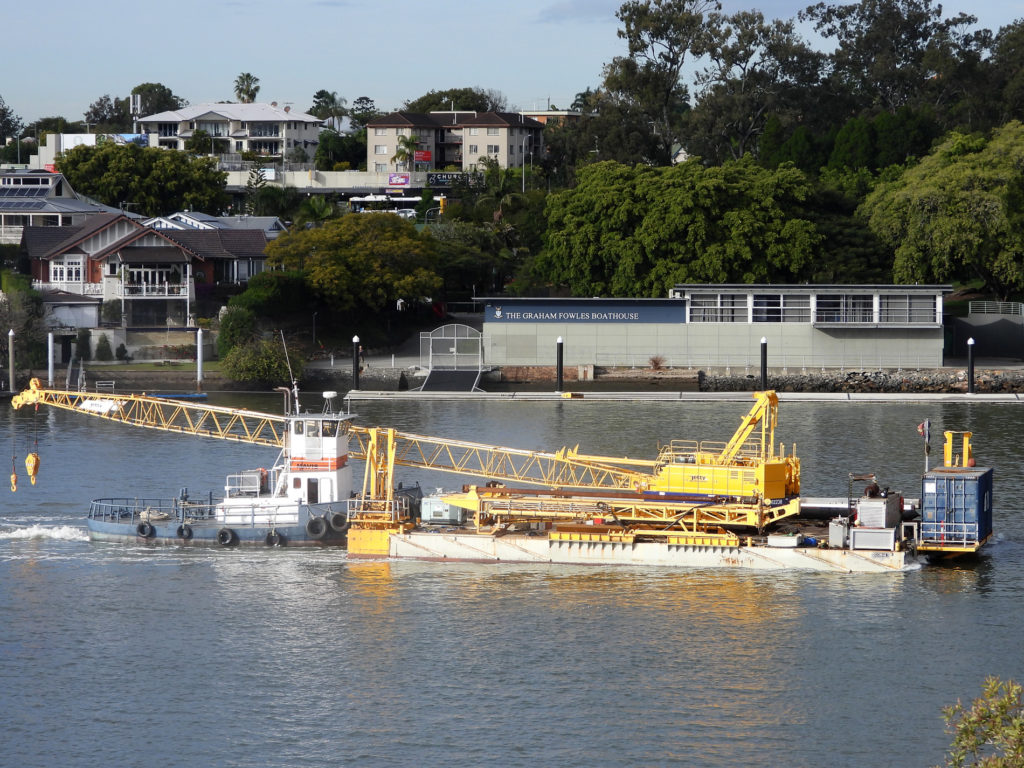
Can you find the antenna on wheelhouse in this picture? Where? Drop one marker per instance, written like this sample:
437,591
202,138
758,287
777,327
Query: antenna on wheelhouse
295,383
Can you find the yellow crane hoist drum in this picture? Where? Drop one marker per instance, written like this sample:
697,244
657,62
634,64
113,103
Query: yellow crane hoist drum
32,466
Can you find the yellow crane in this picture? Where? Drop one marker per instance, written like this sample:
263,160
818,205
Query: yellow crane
692,487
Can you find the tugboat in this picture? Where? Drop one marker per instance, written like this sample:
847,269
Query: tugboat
302,500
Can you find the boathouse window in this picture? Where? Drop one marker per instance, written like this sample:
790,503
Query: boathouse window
904,308
782,308
845,308
718,308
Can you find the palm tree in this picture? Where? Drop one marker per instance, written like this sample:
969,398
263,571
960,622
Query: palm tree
501,188
405,152
330,107
246,87
314,211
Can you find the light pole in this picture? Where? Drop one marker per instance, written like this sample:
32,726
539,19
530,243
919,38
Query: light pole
314,330
522,158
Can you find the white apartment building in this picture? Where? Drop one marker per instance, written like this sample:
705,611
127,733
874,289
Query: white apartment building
265,129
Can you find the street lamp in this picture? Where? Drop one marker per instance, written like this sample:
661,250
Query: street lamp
522,158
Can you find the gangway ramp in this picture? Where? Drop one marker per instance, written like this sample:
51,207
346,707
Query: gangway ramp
460,380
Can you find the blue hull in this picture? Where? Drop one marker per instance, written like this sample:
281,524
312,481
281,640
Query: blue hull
213,535
142,521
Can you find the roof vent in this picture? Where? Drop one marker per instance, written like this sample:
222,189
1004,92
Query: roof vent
287,109
273,103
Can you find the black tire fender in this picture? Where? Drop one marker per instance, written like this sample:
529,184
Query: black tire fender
273,539
316,528
145,529
185,532
226,537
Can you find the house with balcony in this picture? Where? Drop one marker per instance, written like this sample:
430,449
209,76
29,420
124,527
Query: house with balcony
153,277
40,199
453,139
264,129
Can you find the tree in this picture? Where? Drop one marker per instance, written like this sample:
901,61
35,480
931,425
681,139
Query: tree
958,213
328,106
202,143
882,53
247,86
334,148
459,99
237,328
405,152
157,182
990,732
636,231
273,294
156,98
262,361
501,188
660,35
363,111
10,123
757,70
361,262
108,115
315,210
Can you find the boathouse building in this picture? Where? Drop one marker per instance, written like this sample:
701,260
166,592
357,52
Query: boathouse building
715,326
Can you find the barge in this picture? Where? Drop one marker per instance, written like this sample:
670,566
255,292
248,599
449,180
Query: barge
735,504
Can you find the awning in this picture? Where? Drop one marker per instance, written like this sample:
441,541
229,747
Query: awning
163,254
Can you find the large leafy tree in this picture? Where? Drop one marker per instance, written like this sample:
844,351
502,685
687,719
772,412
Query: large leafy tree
989,732
637,231
361,262
334,148
464,99
661,37
150,181
756,69
888,50
156,98
247,85
959,213
109,115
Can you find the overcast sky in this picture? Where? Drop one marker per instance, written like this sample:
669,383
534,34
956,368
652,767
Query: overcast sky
60,56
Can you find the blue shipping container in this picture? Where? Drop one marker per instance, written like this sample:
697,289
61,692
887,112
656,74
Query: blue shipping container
956,506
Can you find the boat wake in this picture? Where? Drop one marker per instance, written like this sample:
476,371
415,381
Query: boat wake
61,532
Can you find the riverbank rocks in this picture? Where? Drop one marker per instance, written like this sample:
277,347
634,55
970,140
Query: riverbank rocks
944,380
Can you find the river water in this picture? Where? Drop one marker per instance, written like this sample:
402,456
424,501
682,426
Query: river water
135,656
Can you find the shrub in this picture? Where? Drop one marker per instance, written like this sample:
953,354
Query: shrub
103,351
657,363
260,362
237,326
122,352
110,312
274,294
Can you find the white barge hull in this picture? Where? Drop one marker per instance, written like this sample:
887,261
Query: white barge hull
518,548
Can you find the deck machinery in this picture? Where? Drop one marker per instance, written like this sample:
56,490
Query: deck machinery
695,493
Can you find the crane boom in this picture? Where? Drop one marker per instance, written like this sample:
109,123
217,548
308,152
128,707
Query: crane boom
168,415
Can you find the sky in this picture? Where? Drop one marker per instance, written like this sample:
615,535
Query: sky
66,54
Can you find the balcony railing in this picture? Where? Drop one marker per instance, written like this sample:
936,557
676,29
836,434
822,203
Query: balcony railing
152,290
79,289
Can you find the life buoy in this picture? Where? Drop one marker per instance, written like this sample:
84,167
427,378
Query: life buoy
185,532
316,528
339,522
273,539
226,537
145,530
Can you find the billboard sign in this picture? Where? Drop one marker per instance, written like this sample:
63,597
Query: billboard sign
398,179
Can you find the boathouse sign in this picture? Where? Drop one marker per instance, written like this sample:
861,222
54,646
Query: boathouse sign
586,311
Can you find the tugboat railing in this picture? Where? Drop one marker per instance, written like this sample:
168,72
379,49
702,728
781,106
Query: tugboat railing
148,510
